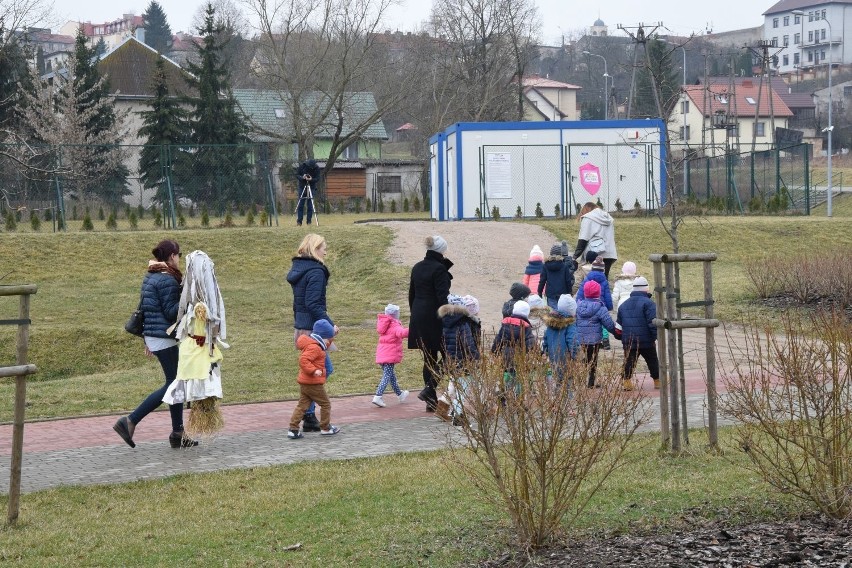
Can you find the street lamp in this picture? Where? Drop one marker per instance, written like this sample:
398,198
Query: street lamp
605,76
830,127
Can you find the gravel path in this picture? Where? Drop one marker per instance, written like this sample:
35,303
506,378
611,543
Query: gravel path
487,257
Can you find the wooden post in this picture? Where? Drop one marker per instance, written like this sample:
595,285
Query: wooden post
661,355
710,347
671,340
20,406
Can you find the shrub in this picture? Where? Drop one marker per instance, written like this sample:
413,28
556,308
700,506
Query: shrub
134,222
636,205
205,217
87,223
101,215
241,209
541,447
264,218
140,211
495,213
181,220
426,202
478,213
357,205
35,221
405,205
539,212
48,214
228,221
792,392
158,218
11,223
250,218
618,206
111,222
369,205
518,213
416,202
73,212
557,211
393,206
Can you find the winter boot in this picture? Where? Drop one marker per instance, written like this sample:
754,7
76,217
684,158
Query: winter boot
310,423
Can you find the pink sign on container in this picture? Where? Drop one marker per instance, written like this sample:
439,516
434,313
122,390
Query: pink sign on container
590,178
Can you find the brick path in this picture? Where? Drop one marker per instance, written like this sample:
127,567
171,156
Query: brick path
81,451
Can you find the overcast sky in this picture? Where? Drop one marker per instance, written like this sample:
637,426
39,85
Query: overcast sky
559,16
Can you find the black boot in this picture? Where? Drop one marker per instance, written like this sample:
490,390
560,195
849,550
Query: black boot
181,440
310,423
430,397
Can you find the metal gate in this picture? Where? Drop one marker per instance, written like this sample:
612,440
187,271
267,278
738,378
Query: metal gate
523,177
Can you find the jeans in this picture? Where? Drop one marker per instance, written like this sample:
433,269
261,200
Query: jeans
304,203
168,359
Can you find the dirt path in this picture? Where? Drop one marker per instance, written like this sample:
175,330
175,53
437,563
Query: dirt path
487,257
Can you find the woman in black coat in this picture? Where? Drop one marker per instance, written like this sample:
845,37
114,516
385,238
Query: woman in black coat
428,291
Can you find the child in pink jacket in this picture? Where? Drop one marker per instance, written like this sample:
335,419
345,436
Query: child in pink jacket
389,352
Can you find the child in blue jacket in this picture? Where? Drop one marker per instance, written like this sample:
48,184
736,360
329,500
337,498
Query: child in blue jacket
598,275
635,327
560,338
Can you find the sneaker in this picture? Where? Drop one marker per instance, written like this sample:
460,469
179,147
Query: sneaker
402,396
332,430
378,401
294,434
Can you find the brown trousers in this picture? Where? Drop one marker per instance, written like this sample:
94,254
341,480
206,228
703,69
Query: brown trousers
308,394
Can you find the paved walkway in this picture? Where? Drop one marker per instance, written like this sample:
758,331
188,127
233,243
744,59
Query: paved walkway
84,451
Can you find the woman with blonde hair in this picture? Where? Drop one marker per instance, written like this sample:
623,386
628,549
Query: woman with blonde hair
308,277
597,233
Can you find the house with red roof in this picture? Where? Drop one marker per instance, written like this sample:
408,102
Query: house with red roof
547,99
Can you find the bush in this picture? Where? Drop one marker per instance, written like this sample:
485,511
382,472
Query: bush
73,212
478,213
158,218
539,212
127,212
357,205
87,223
229,220
369,205
250,218
35,222
48,214
792,392
11,223
518,213
393,206
416,202
205,217
111,222
264,218
618,206
541,447
495,213
405,205
140,211
181,220
101,215
134,222
557,211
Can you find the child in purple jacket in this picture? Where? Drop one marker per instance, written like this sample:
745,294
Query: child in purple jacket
592,315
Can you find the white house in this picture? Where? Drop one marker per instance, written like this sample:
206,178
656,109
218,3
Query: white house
808,33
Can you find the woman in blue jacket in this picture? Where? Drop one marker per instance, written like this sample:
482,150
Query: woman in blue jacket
160,297
309,279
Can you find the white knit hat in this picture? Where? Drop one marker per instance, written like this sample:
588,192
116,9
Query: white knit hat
567,304
521,309
436,243
392,310
640,284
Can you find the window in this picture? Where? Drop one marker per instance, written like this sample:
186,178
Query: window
823,14
786,20
797,19
389,184
847,91
774,22
810,36
810,16
684,107
775,42
760,129
822,55
810,57
785,60
351,152
816,15
279,113
797,39
786,40
750,100
684,135
822,34
796,58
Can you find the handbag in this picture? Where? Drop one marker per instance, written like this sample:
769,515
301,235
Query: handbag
136,323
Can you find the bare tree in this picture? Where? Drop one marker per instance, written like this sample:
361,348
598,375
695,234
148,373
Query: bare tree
321,56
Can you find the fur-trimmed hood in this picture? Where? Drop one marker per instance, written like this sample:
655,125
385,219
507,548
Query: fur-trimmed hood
557,319
452,310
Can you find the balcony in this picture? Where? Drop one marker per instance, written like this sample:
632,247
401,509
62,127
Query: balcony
820,42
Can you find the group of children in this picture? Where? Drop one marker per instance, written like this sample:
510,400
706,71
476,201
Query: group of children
571,325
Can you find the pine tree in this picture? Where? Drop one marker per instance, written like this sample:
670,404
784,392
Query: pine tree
100,48
164,126
218,172
158,33
665,77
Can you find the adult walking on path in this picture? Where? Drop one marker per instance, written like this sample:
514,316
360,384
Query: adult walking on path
597,233
308,277
428,291
160,297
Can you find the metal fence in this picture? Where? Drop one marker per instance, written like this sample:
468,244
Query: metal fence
768,181
189,186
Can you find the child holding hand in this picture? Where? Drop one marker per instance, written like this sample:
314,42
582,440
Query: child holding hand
314,368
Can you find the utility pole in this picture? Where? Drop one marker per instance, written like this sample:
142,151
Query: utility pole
640,37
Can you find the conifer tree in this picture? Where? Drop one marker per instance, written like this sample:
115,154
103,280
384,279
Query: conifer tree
164,126
158,33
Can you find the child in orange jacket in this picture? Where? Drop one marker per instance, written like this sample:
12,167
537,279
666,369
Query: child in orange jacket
314,368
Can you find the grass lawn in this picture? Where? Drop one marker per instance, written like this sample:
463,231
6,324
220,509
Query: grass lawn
402,510
89,283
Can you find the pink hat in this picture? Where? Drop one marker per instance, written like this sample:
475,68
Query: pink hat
536,253
592,290
629,268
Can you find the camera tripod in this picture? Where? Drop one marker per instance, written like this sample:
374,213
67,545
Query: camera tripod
306,199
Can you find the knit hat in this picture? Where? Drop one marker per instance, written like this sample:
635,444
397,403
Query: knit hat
629,269
556,250
455,300
567,304
536,253
598,264
392,310
521,309
640,284
592,290
519,291
436,243
472,304
591,256
324,329
535,301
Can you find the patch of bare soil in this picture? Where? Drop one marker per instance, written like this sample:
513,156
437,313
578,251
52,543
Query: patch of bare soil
815,541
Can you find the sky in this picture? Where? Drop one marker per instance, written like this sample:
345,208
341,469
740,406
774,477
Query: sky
559,16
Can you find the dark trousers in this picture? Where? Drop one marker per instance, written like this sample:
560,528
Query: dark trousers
591,354
608,262
304,203
649,354
431,372
168,359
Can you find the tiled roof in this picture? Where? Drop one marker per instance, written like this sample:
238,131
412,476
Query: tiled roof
269,112
718,95
545,83
130,68
782,89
